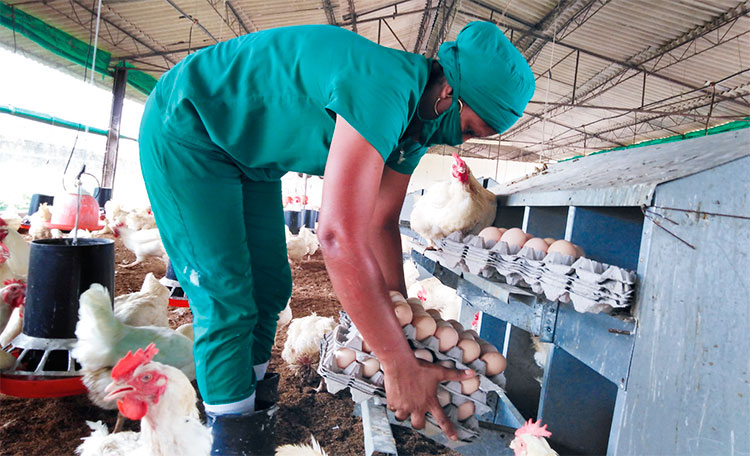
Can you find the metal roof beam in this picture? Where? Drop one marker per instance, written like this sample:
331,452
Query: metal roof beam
122,30
610,75
348,18
328,8
427,22
353,16
444,17
389,16
574,16
192,19
239,18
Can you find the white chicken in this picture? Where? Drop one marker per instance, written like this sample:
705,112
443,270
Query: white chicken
13,328
435,295
163,399
144,243
302,347
140,219
147,307
12,218
12,296
530,440
103,340
303,244
313,449
39,221
460,204
411,273
285,316
14,254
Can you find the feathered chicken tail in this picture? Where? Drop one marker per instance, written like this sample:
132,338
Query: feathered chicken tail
313,449
97,329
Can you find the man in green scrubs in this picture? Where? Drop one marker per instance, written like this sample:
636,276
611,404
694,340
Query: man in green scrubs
227,122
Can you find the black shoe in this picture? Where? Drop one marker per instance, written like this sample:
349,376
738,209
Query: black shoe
267,389
251,434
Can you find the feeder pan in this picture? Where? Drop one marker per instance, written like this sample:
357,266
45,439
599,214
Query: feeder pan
64,212
58,273
177,296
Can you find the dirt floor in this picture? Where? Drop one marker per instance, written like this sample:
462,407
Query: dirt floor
55,426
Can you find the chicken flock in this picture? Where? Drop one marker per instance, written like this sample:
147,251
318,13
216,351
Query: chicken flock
132,361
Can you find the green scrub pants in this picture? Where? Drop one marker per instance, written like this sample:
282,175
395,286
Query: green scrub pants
223,228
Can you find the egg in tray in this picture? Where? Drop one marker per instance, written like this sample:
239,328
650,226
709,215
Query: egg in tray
556,269
346,362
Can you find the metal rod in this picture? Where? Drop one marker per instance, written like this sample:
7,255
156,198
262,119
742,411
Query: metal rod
380,26
394,35
575,77
653,220
643,91
192,19
711,109
693,211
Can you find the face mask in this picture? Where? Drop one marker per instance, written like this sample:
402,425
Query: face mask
444,129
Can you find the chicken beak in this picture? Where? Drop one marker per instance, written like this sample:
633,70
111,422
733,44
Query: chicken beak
116,390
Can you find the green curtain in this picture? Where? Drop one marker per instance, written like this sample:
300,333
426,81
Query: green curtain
69,47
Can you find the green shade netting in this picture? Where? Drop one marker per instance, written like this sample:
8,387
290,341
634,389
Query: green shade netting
69,47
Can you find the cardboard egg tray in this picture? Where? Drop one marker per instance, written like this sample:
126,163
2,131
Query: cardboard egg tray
346,336
591,286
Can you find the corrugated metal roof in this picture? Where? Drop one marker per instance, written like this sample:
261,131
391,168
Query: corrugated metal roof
690,52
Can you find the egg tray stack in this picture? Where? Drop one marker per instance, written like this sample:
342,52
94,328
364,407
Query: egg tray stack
590,285
346,335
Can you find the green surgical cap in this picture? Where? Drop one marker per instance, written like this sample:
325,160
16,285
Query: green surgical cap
484,68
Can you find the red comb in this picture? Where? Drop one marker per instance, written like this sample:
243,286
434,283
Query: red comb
12,281
3,229
458,159
4,252
422,294
132,360
532,428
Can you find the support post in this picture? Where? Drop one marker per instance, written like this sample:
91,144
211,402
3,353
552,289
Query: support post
113,135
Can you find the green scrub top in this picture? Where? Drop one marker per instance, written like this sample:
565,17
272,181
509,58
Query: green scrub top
269,99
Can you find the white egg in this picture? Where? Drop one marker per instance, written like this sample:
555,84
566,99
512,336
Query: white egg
514,236
344,357
370,366
465,410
